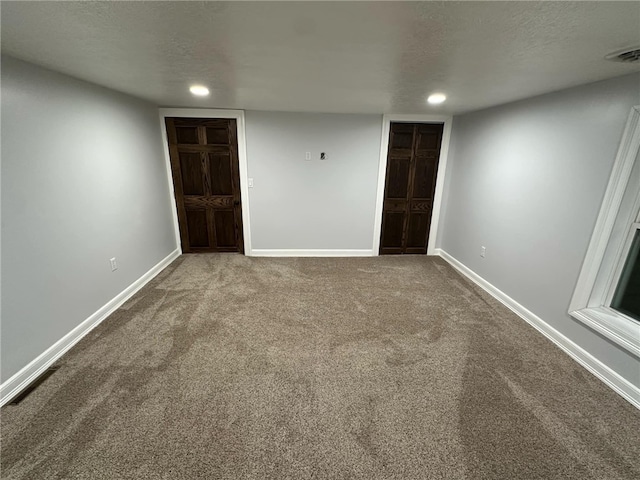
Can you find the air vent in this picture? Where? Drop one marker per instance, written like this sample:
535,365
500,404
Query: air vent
628,55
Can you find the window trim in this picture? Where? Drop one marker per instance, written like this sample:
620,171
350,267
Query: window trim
589,304
622,259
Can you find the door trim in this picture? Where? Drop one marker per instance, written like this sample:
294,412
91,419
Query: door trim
382,173
238,115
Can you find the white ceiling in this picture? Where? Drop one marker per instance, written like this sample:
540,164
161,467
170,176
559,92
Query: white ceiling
359,57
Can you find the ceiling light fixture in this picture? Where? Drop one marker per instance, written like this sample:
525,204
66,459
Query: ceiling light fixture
199,90
436,98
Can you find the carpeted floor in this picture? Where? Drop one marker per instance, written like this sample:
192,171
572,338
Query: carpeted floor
228,367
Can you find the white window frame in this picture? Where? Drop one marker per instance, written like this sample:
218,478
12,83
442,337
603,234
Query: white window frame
623,257
601,269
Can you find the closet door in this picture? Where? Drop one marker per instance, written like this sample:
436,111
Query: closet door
412,166
206,179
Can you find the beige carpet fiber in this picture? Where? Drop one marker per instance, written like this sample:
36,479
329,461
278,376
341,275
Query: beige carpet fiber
228,367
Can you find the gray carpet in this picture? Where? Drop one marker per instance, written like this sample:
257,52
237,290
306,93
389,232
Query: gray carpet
228,367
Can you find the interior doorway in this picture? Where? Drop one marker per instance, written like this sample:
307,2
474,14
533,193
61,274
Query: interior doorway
410,184
206,180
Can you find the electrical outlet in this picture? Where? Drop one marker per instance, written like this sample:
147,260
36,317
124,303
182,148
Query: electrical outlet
483,251
307,156
250,182
114,265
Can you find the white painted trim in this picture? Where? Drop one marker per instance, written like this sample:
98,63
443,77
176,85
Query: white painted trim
622,256
625,158
614,325
440,177
620,385
30,372
382,176
311,253
601,268
172,193
439,192
238,115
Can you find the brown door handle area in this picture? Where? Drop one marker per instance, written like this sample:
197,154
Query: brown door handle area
237,202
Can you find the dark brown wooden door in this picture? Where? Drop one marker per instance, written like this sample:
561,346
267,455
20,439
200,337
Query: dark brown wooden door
412,166
206,180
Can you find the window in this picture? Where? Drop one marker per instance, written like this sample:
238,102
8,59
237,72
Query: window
626,298
607,295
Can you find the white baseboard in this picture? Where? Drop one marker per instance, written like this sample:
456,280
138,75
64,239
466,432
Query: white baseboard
620,385
30,372
311,253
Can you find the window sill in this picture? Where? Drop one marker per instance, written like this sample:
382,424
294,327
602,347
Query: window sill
615,326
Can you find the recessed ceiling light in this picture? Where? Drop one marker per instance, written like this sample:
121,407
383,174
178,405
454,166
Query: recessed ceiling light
199,90
436,98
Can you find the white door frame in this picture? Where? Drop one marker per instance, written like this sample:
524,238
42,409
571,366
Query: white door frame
442,168
238,115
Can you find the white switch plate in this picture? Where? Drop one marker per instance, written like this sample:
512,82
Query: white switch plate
114,265
250,182
307,156
483,251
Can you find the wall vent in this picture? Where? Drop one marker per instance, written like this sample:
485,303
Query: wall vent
628,55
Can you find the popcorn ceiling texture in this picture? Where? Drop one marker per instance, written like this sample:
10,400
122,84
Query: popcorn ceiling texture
340,57
229,367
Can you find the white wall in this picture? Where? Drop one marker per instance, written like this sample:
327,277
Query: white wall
526,180
299,204
83,180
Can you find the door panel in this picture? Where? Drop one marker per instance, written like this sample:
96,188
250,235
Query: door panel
187,135
217,136
221,174
392,227
191,167
398,176
428,139
412,166
402,138
197,228
204,165
418,229
425,177
224,225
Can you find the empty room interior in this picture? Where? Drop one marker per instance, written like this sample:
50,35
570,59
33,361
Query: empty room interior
320,240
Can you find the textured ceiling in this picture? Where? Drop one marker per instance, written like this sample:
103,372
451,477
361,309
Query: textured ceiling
368,57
